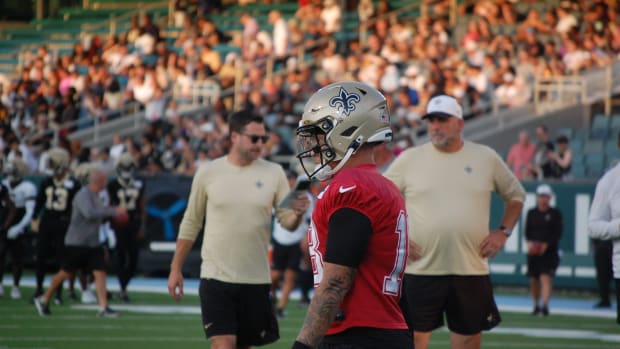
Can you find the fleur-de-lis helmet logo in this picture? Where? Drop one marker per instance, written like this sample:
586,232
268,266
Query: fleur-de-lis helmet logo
344,101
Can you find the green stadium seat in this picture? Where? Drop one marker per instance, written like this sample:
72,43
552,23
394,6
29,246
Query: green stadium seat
593,146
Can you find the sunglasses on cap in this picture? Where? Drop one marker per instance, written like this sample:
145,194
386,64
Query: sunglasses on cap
254,138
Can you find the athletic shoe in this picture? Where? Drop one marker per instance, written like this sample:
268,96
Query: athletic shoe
88,297
536,311
42,307
545,311
108,312
124,296
72,296
15,293
281,313
602,305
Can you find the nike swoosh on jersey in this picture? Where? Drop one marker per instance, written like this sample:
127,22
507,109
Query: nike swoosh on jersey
343,190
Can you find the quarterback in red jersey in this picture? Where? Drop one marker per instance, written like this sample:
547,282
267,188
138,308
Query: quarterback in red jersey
358,237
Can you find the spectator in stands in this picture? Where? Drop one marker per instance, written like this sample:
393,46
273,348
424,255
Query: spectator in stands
543,230
513,91
542,162
521,156
331,15
280,35
566,20
149,27
561,159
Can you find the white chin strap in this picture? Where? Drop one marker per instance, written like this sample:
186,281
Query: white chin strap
327,172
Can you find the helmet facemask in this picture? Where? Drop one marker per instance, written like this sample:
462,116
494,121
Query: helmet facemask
311,142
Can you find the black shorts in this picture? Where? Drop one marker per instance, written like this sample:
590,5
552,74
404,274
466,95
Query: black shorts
546,264
286,256
243,310
467,302
368,338
83,258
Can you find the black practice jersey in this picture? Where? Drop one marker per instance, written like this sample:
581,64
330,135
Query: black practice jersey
55,199
129,195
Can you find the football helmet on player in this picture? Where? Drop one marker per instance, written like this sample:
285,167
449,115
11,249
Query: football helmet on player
57,161
82,171
126,167
337,120
15,170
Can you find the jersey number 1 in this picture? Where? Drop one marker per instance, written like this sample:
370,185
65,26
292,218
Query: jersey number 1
392,283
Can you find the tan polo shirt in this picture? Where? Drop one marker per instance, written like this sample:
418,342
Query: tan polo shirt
237,203
448,198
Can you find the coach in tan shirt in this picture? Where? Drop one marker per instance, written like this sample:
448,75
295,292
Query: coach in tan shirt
447,184
236,194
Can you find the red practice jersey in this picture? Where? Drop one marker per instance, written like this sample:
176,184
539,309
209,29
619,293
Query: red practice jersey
373,299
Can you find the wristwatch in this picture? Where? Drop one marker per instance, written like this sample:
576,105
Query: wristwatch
507,231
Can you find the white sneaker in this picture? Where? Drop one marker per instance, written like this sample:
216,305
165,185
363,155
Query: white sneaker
15,294
88,297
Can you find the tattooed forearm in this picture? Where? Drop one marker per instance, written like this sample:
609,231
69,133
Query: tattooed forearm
337,281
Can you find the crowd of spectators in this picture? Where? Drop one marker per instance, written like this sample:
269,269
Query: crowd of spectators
491,60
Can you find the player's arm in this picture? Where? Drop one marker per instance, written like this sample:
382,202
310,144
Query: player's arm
601,225
188,232
40,201
9,208
348,235
175,279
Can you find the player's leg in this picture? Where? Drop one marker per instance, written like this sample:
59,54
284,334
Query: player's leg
278,265
122,258
533,273
219,309
426,300
3,252
16,247
458,341
546,287
257,319
470,310
604,273
617,300
306,275
132,264
57,280
43,255
290,275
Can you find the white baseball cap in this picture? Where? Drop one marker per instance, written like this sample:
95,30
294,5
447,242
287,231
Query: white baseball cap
443,105
544,189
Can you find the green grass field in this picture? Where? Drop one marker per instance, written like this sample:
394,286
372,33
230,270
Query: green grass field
161,324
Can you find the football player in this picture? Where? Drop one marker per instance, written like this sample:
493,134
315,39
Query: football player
7,211
54,199
358,236
23,194
127,191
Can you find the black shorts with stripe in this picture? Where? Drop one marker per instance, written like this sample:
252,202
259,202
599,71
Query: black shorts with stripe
242,310
466,301
83,258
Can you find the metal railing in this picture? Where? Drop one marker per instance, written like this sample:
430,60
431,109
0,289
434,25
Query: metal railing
593,85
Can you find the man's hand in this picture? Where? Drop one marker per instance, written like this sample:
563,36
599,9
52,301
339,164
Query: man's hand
13,233
491,245
175,284
300,204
